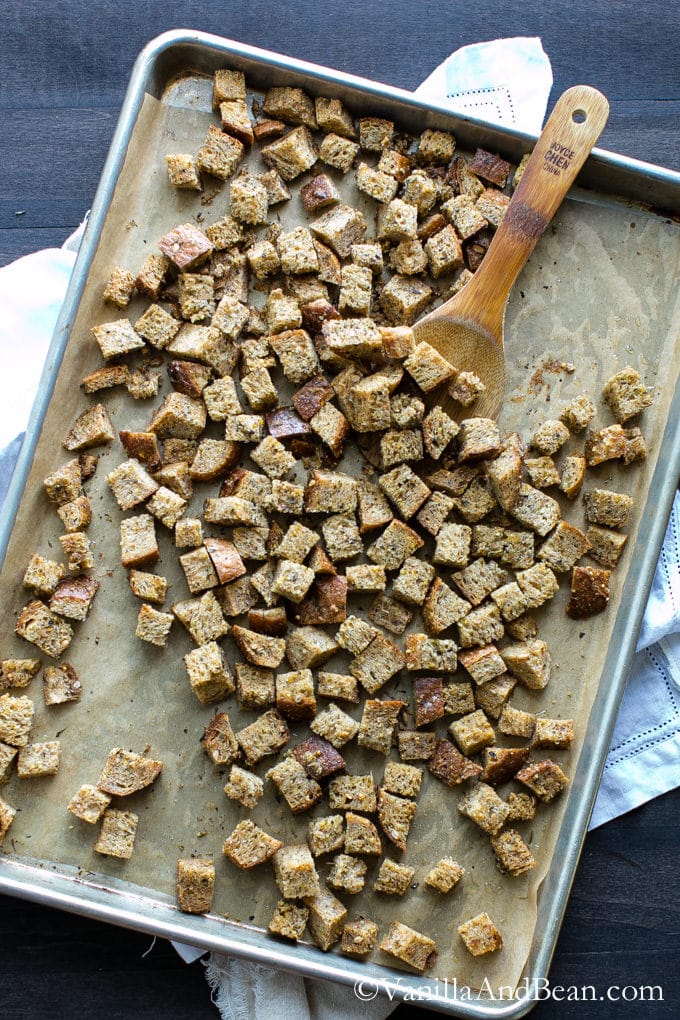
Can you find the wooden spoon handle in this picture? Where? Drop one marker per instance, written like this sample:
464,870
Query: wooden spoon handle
570,132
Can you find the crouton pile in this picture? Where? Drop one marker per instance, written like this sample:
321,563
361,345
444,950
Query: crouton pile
318,592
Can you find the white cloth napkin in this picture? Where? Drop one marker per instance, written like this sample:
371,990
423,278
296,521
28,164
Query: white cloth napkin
506,81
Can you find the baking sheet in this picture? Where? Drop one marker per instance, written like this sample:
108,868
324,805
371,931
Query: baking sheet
598,292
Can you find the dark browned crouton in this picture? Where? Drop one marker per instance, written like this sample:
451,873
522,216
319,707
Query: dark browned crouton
449,766
589,593
429,699
544,778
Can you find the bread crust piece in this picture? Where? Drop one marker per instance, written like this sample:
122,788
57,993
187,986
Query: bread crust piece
126,772
589,593
37,624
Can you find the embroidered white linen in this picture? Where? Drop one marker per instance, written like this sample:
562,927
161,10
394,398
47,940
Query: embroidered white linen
508,82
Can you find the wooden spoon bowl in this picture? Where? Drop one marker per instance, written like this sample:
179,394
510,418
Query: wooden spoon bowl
468,329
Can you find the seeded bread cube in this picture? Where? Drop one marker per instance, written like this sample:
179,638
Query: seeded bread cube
347,874
445,875
442,607
228,85
64,484
39,759
427,367
292,154
536,510
464,215
117,338
564,547
294,872
492,696
439,654
209,674
557,733
589,592
483,664
467,386
89,804
452,547
409,946
273,458
73,597
434,513
458,698
38,625
626,394
359,937
377,663
18,672
267,735
513,856
402,299
361,836
202,617
295,694
338,152
611,509
405,490
386,612
281,312
375,133
444,252
43,575
326,834
538,584
415,746
413,581
606,545
220,154
298,790
578,413
372,507
378,724
352,793
255,687
248,845
355,635
438,431
542,472
341,537
479,579
374,182
179,416
544,778
480,935
309,647
505,475
117,834
395,815
472,732
529,661
366,577
330,492
485,808
326,918
331,115
218,739
16,719
516,723
522,807
393,879
195,884
339,686
482,626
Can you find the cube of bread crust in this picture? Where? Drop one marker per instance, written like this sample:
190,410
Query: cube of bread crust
39,759
405,490
459,698
335,726
18,672
331,115
544,778
139,547
289,920
480,935
91,428
409,946
393,879
248,845
482,626
606,545
359,937
479,579
529,661
228,85
117,338
153,626
513,856
609,508
522,807
485,808
43,575
209,674
326,834
516,723
589,592
179,416
295,872
578,413
339,686
414,746
73,597
298,789
267,735
361,836
326,918
377,663
221,399
395,815
536,510
427,367
295,694
89,804
472,732
438,654
626,394
338,152
60,684
37,624
563,547
117,834
375,133
444,252
378,724
64,484
355,635
291,155
483,664
195,884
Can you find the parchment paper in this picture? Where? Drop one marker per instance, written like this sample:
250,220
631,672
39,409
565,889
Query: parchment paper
600,292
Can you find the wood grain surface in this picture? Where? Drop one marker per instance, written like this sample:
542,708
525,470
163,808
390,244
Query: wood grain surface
65,65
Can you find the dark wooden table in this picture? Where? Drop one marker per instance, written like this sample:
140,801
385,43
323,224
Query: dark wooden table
65,66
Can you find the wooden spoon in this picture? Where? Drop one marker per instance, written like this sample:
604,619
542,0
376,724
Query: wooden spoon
468,329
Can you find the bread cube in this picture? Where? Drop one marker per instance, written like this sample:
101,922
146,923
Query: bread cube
445,875
361,836
395,815
482,626
444,252
334,725
295,873
195,884
414,746
517,723
626,394
606,545
378,724
292,154
248,845
359,937
578,413
589,593
39,759
355,635
375,133
377,663
326,918
484,807
89,804
611,509
326,834
564,547
544,778
331,115
38,625
529,661
339,686
117,834
289,920
338,152
536,510
393,879
330,492
480,935
18,672
522,807
409,946
298,790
